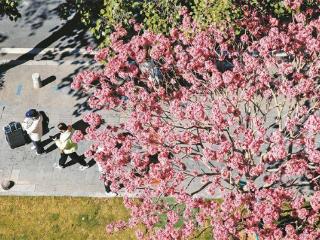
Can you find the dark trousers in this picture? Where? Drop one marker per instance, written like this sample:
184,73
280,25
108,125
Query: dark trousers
107,186
74,157
38,146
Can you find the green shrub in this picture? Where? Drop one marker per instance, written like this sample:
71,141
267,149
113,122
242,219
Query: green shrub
10,9
208,12
159,16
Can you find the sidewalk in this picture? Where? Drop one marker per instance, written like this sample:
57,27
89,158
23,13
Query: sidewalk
59,53
35,175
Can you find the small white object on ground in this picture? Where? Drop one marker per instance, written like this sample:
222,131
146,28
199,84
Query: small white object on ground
6,184
111,194
81,168
57,166
36,80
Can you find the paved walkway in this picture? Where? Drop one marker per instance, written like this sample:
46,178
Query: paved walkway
63,56
35,175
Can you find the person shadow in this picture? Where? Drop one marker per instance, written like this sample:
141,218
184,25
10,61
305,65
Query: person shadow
71,162
48,141
46,129
45,123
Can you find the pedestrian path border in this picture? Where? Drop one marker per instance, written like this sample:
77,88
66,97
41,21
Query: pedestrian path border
45,62
40,51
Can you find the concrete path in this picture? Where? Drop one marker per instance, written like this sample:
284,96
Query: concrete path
41,42
35,175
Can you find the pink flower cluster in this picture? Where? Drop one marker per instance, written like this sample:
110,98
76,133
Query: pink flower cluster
231,120
77,136
93,119
84,79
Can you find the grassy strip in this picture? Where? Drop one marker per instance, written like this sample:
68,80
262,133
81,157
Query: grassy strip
71,218
23,218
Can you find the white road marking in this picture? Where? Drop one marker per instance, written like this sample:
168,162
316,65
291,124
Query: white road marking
46,62
40,51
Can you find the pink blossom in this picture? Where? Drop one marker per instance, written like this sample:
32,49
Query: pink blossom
244,38
302,213
102,54
173,217
296,167
225,112
93,119
313,123
293,4
315,201
77,136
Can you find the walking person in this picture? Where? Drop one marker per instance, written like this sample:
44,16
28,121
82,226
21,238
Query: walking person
103,176
67,148
32,124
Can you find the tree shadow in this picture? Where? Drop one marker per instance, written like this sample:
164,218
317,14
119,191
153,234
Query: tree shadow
82,98
72,34
63,31
80,125
70,29
1,79
2,38
35,13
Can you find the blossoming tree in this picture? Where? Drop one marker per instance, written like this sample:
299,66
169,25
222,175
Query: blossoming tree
213,115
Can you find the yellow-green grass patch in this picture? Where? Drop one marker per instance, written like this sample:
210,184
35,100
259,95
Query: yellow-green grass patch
72,218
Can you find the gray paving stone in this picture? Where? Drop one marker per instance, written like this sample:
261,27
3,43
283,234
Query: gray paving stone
35,175
92,175
64,188
32,175
45,188
5,173
15,175
23,188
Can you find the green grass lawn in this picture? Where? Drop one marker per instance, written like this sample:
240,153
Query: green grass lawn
64,218
59,218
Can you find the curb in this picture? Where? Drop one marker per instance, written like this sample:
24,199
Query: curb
46,62
40,51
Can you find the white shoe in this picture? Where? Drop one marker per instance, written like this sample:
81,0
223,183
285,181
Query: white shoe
57,166
111,194
38,154
33,147
81,168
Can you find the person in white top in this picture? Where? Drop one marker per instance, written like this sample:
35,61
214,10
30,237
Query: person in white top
67,147
32,124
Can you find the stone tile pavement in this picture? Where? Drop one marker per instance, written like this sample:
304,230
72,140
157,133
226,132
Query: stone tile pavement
35,175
